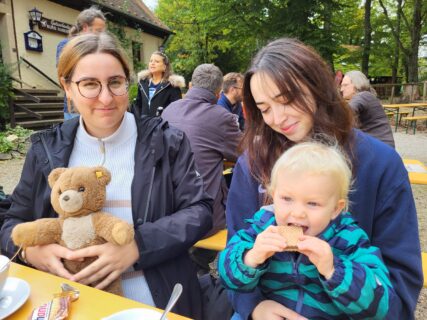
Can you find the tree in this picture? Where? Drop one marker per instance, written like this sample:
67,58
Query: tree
413,27
367,38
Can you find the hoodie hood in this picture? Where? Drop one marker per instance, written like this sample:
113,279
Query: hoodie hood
174,79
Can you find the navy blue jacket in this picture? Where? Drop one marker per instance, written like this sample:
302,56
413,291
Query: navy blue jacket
234,109
167,192
381,202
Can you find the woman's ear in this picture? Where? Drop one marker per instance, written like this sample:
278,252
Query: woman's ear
66,85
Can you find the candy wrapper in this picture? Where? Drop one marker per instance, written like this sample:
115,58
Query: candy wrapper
58,308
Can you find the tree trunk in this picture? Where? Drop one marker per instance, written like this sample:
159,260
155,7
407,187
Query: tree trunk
395,66
327,33
415,37
367,39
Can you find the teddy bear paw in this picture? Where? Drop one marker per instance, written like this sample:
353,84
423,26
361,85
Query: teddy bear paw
122,233
21,234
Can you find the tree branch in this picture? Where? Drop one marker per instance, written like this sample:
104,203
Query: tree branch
393,31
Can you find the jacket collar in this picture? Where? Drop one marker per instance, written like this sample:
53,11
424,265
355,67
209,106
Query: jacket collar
201,94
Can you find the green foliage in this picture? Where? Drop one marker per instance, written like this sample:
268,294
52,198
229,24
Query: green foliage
5,90
133,91
229,32
19,144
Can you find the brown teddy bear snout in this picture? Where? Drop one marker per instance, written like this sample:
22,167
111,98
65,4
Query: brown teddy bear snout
71,201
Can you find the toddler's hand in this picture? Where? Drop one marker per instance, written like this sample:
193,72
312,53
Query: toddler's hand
267,243
319,252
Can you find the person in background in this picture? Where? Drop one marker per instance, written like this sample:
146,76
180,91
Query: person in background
89,20
214,135
157,87
154,186
370,114
231,96
309,186
290,96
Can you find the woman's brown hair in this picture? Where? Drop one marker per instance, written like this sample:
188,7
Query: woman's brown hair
89,43
294,68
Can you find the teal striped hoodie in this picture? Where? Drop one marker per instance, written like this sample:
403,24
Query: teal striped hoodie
360,287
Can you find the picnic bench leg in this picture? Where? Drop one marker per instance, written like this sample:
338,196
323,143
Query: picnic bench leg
415,126
397,120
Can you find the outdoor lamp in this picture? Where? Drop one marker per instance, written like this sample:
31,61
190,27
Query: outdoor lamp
35,17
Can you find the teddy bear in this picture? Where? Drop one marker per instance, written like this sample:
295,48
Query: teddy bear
78,195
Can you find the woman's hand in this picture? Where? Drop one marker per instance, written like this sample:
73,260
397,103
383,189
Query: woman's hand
48,258
267,243
272,310
319,252
112,261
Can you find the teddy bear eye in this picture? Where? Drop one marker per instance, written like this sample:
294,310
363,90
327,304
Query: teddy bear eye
81,189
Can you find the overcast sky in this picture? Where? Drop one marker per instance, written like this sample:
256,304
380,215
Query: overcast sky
150,3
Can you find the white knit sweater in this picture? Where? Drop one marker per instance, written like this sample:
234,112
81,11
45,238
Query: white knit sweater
116,153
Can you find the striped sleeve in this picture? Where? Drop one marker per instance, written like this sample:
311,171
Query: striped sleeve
233,272
360,285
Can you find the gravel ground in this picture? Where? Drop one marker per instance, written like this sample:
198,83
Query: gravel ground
408,145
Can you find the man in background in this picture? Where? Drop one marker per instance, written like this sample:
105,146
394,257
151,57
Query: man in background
232,96
214,135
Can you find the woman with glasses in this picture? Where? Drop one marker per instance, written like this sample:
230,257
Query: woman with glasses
154,183
157,87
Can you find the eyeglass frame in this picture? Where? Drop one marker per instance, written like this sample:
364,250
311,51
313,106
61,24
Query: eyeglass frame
101,86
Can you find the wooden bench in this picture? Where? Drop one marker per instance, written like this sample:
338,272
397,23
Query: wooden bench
424,258
412,121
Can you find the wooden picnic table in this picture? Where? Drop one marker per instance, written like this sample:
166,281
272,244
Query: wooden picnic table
395,107
215,242
92,303
417,171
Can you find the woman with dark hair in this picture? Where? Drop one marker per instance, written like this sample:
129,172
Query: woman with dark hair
290,96
157,86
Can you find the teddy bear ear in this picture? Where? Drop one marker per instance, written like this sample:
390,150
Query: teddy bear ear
54,175
103,175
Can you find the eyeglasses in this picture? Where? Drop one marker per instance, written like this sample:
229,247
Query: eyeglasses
92,88
237,87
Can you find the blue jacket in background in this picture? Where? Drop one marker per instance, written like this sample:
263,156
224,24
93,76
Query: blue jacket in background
293,281
234,109
381,202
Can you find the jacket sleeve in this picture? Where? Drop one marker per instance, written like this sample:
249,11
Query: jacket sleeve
360,286
384,207
401,254
175,94
29,201
242,202
172,235
233,272
231,138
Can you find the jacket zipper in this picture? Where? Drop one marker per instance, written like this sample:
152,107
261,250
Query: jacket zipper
299,305
150,188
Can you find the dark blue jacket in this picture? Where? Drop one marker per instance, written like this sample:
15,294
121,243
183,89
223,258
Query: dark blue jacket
235,109
167,192
381,202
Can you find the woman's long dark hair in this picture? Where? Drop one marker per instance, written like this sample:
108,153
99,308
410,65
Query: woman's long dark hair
294,68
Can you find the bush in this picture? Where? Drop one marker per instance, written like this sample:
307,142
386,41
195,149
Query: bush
5,91
19,144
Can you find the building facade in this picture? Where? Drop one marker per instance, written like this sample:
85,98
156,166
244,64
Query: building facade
29,48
